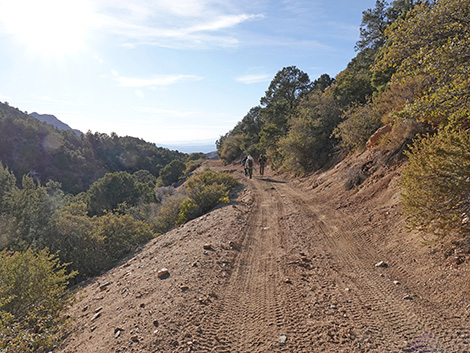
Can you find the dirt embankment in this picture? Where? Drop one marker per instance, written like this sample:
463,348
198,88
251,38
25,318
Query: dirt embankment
288,266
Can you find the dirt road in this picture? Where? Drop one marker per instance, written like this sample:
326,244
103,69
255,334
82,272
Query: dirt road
285,268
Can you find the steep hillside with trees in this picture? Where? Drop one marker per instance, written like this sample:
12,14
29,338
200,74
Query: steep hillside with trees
411,76
434,60
29,146
299,122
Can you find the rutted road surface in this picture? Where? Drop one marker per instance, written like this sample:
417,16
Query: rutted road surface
289,269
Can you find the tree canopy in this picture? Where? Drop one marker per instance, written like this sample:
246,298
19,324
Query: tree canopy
432,46
287,87
375,21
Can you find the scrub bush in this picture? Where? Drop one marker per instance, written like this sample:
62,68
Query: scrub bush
33,294
436,182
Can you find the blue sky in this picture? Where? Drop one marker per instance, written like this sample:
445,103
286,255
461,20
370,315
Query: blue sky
167,71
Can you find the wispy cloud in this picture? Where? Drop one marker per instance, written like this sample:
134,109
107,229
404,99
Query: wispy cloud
190,41
171,23
302,8
220,23
143,9
156,81
250,79
205,24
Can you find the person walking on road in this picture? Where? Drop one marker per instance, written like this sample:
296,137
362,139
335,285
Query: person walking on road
249,165
262,162
244,165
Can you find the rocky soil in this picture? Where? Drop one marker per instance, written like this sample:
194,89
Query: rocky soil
320,264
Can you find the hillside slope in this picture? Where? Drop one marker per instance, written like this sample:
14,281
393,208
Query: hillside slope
30,146
288,266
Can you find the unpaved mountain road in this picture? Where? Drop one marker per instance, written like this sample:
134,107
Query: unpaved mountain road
291,269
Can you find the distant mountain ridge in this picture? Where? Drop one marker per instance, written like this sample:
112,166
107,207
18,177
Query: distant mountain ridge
207,147
51,119
193,147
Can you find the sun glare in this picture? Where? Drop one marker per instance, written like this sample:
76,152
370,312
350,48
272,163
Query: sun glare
48,27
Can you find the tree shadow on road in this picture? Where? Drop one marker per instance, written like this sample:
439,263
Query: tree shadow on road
269,180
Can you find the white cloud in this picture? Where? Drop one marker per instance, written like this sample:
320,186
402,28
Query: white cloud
156,81
199,35
221,22
169,23
190,41
144,9
256,78
184,7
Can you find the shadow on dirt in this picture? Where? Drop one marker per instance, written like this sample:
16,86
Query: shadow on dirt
269,180
165,276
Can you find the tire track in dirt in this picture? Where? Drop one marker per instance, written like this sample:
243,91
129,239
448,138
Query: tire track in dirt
397,319
259,304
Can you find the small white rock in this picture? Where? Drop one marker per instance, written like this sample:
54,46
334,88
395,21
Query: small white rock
163,272
381,264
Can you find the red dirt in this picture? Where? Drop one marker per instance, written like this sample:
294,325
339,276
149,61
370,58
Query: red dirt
287,266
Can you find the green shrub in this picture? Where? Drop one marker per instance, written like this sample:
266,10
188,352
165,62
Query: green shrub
207,197
198,156
113,189
76,242
29,211
208,177
94,244
230,148
32,296
188,210
436,182
192,165
361,121
120,234
204,191
308,144
168,213
209,188
172,172
7,183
